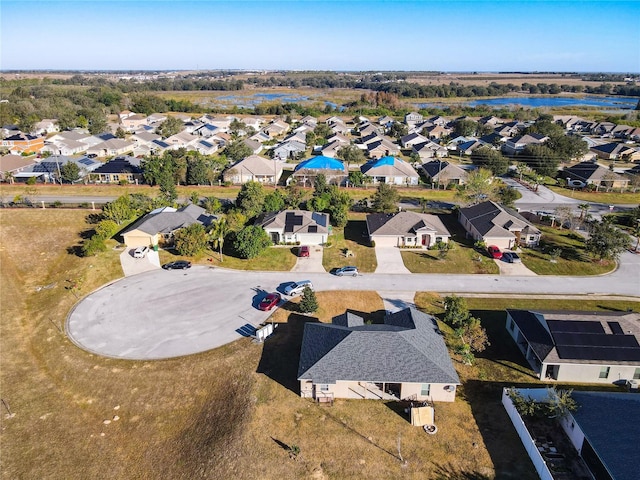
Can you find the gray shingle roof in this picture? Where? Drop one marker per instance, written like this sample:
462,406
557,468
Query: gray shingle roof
407,348
403,223
168,220
610,422
493,220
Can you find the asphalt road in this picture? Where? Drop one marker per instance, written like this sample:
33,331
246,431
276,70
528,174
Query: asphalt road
164,314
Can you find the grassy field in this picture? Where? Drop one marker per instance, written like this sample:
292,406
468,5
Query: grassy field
352,238
608,198
228,413
572,261
280,259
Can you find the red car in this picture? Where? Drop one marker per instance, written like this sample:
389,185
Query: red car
303,251
494,252
270,301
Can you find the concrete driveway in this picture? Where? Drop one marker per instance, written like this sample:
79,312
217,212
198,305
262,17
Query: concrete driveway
389,260
134,266
507,268
312,263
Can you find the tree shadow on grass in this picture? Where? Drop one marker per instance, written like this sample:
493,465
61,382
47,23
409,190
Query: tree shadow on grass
448,472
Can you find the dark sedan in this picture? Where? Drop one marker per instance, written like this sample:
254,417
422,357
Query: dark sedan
177,265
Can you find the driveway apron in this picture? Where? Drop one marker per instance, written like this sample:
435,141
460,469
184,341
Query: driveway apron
133,266
390,260
519,269
312,263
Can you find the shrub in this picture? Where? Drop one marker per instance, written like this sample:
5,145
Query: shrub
251,241
308,302
93,246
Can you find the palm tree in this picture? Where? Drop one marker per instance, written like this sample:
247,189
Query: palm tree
219,230
584,210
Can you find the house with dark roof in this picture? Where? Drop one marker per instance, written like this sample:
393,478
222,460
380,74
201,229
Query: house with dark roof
616,151
494,224
307,171
296,226
429,149
406,229
390,170
403,358
590,173
117,170
49,169
586,347
516,145
604,430
444,173
159,226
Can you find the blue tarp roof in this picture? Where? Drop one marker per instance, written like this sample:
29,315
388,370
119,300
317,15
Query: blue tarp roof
388,160
321,163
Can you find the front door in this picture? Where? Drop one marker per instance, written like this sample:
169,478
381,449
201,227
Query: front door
426,240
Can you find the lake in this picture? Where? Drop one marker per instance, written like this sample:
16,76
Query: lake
621,103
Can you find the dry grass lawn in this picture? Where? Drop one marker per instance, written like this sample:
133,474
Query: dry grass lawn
233,412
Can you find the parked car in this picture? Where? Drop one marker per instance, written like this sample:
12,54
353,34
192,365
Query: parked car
494,252
297,288
140,252
270,301
177,265
347,271
303,251
511,257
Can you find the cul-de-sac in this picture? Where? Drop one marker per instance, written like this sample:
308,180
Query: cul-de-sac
252,255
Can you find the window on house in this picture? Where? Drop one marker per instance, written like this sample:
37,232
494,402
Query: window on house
636,374
604,372
324,388
532,238
425,389
438,239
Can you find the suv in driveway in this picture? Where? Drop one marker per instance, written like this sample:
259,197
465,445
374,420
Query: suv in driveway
297,287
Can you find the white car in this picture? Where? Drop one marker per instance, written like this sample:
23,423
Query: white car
140,252
297,287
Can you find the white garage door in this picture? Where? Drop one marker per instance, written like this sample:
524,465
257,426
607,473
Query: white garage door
312,240
385,241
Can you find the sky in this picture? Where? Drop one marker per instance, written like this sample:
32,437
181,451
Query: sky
345,35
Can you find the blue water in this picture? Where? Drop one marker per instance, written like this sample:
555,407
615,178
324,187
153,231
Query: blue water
534,102
250,101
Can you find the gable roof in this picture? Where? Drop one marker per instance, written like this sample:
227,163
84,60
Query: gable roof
493,220
295,221
403,223
408,347
167,220
590,171
118,165
388,166
257,165
435,169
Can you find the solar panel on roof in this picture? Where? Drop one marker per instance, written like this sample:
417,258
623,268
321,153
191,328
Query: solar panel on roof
615,328
577,326
595,340
313,229
288,228
599,353
85,161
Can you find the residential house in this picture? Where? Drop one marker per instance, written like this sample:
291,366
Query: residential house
406,229
382,148
369,129
93,140
510,129
115,146
306,172
255,146
390,170
205,146
296,227
467,148
436,132
23,143
64,147
118,170
429,149
156,118
584,347
144,138
494,224
516,145
413,118
260,137
444,173
330,149
133,122
223,123
604,129
602,431
593,174
206,130
253,122
403,359
48,169
490,120
289,150
616,151
254,168
276,128
337,125
181,140
493,138
159,226
386,121
412,139
45,126
11,164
